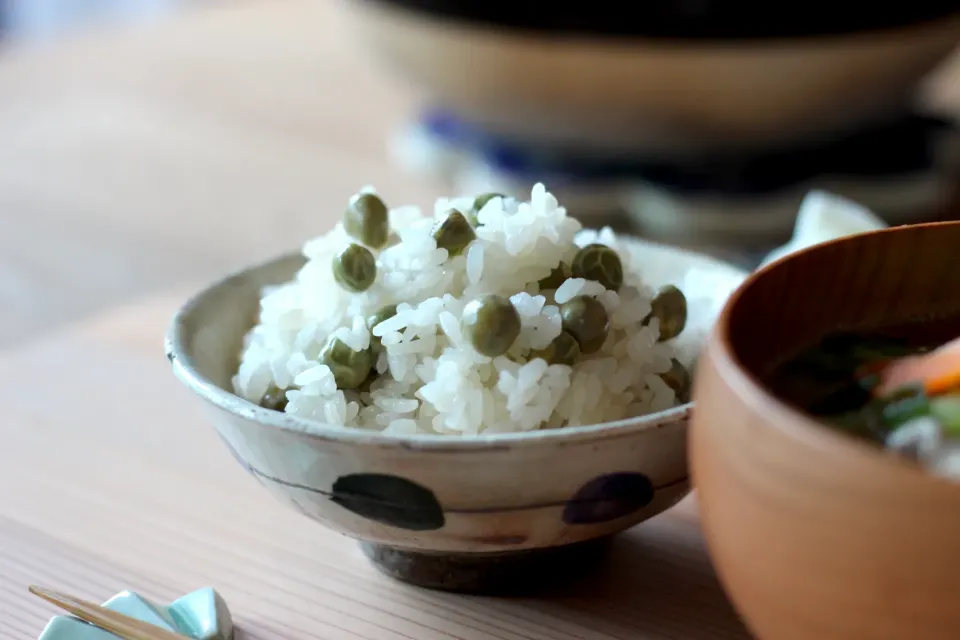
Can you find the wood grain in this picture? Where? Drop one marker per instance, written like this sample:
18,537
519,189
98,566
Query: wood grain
121,483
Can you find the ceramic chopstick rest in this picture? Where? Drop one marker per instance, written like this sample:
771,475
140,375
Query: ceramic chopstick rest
202,615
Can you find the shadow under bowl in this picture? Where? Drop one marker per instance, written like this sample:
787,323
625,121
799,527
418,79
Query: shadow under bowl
814,534
459,513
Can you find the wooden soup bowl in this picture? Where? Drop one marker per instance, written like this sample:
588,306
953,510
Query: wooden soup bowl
816,535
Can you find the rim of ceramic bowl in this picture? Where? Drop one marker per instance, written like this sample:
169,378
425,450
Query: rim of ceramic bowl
711,22
184,367
798,425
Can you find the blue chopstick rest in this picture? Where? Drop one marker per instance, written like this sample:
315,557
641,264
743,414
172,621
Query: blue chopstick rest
202,615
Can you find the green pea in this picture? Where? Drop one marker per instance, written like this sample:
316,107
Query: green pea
586,319
564,349
558,275
599,263
478,203
491,324
367,220
384,313
355,268
670,308
350,368
481,201
454,233
275,399
678,379
366,384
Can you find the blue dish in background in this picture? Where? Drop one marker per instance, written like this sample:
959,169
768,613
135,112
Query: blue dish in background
895,148
734,204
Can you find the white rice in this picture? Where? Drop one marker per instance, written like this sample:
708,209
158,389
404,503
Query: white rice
432,380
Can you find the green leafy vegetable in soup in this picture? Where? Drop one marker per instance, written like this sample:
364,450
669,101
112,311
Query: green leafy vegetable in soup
898,392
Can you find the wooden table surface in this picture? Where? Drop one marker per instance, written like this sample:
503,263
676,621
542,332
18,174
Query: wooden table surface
159,156
169,152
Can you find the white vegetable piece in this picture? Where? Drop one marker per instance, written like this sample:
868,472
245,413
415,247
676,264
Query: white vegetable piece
823,217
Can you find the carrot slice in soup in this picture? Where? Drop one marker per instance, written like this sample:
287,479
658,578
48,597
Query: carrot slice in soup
938,371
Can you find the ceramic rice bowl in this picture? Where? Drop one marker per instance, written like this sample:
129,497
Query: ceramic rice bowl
474,513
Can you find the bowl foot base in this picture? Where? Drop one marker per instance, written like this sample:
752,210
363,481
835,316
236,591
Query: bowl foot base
501,573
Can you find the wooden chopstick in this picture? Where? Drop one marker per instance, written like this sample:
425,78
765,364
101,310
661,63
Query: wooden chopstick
116,623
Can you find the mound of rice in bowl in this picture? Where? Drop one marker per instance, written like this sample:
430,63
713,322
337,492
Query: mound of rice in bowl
492,315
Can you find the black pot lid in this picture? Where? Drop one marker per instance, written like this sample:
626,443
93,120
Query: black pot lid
686,19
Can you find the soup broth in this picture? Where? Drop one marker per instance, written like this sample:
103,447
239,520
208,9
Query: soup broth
885,386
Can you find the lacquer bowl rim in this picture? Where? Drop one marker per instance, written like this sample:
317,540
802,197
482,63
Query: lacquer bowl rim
186,369
781,417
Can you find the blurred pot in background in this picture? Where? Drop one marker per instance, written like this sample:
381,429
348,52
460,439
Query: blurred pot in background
692,83
686,74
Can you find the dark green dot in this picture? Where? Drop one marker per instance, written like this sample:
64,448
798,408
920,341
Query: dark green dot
609,497
390,500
